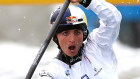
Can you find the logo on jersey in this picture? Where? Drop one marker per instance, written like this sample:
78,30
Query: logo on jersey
85,77
46,75
67,72
71,19
97,71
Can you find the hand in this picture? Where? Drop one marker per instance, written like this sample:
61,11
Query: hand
75,1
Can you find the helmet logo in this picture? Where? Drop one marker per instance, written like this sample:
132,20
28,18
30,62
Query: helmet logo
71,19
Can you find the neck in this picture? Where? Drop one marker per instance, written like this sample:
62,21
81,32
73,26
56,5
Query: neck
70,60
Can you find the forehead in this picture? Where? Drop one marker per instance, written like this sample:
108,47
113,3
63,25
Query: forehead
73,30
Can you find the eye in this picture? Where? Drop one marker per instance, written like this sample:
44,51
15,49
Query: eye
65,33
78,32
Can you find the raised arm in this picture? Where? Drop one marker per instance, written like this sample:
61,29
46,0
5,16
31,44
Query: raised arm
100,40
110,19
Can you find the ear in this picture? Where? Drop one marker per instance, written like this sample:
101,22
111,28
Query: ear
85,34
55,39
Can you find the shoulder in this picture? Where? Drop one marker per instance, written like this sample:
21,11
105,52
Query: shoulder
55,66
48,71
43,74
53,70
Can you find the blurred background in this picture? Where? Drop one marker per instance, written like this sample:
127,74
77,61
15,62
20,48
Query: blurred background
24,26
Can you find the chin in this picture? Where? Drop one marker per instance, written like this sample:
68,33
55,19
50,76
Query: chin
73,54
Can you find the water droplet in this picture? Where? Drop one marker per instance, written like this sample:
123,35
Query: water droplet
41,44
24,17
19,29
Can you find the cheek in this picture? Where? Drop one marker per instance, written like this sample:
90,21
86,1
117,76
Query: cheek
80,40
61,41
81,37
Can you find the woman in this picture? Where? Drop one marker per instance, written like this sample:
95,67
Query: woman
93,59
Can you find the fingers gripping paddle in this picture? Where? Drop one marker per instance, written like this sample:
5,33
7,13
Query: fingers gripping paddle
47,41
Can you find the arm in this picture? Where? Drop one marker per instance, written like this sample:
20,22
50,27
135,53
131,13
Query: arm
110,19
100,40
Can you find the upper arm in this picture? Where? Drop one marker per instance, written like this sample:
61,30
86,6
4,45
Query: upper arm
110,19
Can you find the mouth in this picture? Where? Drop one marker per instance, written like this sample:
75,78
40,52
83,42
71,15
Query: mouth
71,47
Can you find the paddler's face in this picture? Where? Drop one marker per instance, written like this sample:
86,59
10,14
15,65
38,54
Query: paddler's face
70,41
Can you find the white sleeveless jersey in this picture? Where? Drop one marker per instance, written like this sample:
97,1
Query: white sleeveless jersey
98,59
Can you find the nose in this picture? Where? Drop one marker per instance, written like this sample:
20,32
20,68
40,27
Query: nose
72,38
